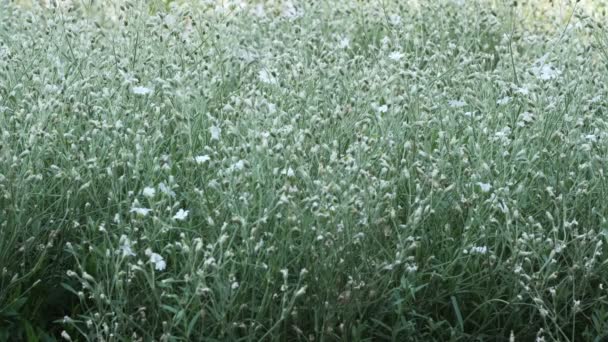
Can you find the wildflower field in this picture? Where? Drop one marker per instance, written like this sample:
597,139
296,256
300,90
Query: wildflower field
375,170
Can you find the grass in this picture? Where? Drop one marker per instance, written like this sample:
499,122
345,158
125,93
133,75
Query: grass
325,171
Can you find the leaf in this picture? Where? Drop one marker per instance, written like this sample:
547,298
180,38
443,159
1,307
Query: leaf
29,331
18,304
192,323
458,313
69,288
170,309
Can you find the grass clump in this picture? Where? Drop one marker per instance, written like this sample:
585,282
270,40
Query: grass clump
302,171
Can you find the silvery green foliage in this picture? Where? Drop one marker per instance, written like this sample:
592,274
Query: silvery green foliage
304,170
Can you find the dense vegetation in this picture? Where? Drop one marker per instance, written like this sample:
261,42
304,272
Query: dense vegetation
341,170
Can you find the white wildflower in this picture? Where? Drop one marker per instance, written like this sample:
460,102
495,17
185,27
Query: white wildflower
503,101
289,11
66,336
141,211
381,109
546,72
215,132
591,137
344,43
209,261
149,192
456,103
523,91
166,190
223,238
485,187
290,173
141,90
125,246
394,19
259,11
170,20
395,56
181,215
479,250
202,159
284,272
301,291
527,117
267,77
156,259
238,166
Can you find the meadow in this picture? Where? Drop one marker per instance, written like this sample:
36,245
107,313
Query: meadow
303,171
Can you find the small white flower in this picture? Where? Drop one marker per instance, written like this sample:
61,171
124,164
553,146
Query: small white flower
290,172
284,272
523,91
166,190
267,77
411,268
395,55
290,11
259,11
457,103
301,291
181,215
527,117
125,246
202,159
595,99
141,90
157,260
170,20
382,109
66,336
546,72
503,101
485,187
344,43
209,261
141,211
149,192
238,166
395,19
479,250
215,132
577,305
